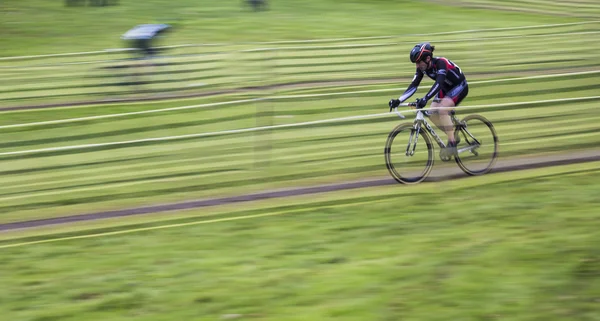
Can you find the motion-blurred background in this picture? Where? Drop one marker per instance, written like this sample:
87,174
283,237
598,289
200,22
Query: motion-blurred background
242,97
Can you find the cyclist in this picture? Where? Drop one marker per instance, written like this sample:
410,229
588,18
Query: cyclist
450,88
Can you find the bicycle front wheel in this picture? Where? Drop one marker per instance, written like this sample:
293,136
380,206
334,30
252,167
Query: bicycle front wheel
477,150
408,154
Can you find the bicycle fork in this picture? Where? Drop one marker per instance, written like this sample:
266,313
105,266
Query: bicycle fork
414,137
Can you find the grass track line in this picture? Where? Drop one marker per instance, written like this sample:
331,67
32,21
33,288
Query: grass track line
491,38
142,100
243,101
507,28
254,129
395,89
433,41
69,120
445,175
307,40
545,139
266,49
112,185
151,228
198,135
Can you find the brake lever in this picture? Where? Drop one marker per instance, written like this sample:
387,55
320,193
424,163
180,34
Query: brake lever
398,113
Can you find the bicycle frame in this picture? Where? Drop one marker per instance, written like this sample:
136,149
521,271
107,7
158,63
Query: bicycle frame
418,124
420,121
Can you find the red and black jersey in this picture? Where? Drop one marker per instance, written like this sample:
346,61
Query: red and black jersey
446,74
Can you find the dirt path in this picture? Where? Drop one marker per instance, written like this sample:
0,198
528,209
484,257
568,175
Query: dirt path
437,175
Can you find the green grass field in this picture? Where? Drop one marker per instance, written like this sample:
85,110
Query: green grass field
518,246
220,59
249,68
42,27
42,184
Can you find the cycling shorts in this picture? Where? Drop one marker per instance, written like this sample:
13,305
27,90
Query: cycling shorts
456,93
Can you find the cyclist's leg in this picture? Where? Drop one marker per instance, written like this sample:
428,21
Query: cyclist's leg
442,119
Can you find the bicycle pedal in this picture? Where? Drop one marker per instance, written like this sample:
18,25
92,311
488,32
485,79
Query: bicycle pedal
445,157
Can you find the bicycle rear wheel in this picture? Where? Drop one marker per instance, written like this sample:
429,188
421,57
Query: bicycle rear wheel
477,151
408,156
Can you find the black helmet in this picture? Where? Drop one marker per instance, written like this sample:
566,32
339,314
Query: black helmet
421,51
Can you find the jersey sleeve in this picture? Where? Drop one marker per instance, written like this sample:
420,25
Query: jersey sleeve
412,88
442,69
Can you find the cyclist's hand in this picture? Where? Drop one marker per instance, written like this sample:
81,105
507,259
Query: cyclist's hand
394,103
421,102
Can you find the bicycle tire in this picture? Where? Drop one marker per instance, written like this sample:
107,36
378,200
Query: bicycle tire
392,169
461,162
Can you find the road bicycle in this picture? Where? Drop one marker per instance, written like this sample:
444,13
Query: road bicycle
409,152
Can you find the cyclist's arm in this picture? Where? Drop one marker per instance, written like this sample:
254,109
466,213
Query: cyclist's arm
439,80
412,88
